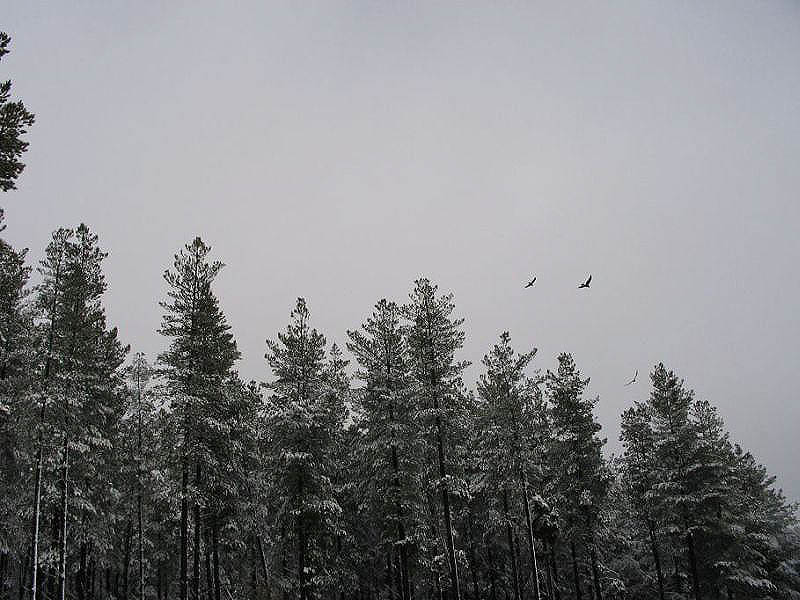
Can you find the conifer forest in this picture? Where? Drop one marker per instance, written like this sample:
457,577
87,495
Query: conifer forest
370,470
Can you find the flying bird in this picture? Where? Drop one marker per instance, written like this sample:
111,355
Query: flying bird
586,283
635,375
530,283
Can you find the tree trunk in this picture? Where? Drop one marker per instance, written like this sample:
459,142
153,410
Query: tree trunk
656,559
401,534
448,522
209,576
215,544
263,565
141,547
473,563
80,578
511,547
596,571
693,565
531,546
62,551
126,566
197,531
575,574
140,485
301,542
37,503
185,530
551,589
492,571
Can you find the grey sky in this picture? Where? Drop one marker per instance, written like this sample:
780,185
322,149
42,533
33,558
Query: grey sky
339,151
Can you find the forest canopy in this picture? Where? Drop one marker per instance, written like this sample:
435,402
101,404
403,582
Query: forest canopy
386,477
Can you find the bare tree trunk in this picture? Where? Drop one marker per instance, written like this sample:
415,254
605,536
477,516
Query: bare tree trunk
448,521
578,593
693,565
184,575
531,546
301,541
473,563
263,565
141,548
215,544
552,590
209,576
197,530
62,551
139,516
37,504
126,566
492,572
511,548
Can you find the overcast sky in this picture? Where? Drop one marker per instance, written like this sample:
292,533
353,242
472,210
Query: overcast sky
339,151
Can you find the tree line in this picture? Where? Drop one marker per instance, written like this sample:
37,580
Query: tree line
386,477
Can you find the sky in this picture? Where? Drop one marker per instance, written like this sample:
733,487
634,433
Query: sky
338,151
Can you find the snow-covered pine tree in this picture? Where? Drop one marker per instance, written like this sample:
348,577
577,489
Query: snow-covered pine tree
512,446
434,337
81,384
638,477
304,422
14,121
389,451
200,357
17,414
578,472
674,447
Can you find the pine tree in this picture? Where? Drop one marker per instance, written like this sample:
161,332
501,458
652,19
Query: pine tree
673,451
306,413
14,121
511,444
638,472
390,452
201,355
580,477
434,338
80,383
17,415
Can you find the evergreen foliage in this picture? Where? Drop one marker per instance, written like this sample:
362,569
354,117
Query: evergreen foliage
387,480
